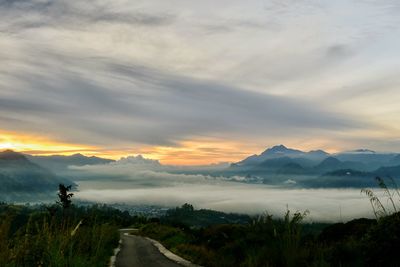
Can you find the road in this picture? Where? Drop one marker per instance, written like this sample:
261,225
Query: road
137,251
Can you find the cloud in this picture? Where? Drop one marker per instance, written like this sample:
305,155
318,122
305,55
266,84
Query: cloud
143,73
152,184
150,106
30,14
141,171
323,204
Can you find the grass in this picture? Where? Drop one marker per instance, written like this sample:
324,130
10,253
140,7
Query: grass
55,241
263,241
286,241
392,195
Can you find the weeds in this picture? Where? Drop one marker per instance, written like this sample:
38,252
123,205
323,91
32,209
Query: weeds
390,193
42,239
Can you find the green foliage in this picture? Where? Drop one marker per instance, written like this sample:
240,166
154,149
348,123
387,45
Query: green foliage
64,196
383,241
288,241
42,236
187,216
261,242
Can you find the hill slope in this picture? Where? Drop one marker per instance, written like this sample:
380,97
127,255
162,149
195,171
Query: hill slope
19,176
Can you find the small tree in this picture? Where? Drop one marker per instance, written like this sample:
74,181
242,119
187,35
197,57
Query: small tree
64,196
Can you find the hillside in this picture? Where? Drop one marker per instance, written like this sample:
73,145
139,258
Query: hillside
19,176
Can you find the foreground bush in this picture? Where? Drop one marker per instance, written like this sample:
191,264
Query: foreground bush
282,242
37,237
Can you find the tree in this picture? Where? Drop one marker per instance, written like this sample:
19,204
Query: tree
64,196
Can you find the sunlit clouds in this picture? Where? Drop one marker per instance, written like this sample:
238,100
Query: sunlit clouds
37,144
194,82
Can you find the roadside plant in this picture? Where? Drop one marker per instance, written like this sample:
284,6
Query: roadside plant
392,196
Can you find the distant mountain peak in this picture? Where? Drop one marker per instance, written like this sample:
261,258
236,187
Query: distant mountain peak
280,149
78,155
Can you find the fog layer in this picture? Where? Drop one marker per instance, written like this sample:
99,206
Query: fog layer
133,184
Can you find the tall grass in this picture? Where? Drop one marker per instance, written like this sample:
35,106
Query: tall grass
45,240
263,242
392,195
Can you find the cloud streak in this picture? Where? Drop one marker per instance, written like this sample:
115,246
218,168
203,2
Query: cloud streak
123,74
153,107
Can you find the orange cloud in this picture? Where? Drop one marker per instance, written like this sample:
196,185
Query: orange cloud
200,152
194,152
33,144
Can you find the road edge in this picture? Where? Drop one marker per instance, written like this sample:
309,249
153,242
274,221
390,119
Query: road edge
167,253
114,257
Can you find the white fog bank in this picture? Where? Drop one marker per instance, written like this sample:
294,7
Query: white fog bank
323,204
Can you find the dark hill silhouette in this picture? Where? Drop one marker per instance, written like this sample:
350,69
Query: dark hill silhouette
292,168
393,171
331,164
19,175
281,151
10,155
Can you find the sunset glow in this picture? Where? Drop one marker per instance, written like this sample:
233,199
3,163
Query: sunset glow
38,145
195,152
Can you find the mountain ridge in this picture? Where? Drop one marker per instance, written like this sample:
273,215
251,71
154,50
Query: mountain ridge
20,176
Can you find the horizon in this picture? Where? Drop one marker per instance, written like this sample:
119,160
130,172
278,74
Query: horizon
121,157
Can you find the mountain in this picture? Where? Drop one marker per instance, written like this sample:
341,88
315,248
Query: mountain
395,160
332,164
316,168
272,164
317,154
60,163
393,171
329,164
281,151
278,163
20,175
348,173
292,168
371,159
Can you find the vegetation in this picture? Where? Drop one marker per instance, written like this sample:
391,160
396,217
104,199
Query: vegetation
392,194
187,215
265,241
60,235
67,235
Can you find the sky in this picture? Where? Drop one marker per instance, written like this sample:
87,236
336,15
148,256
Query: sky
196,82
